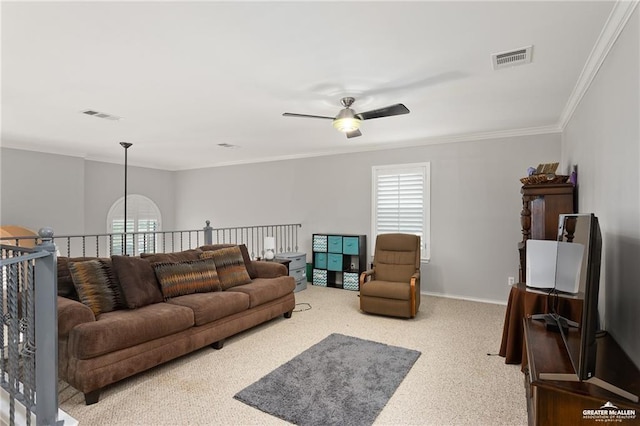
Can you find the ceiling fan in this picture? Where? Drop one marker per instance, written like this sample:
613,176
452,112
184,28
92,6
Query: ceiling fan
348,121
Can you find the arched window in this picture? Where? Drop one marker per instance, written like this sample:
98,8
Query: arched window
143,221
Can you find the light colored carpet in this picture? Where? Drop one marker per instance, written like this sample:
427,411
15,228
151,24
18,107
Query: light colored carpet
454,382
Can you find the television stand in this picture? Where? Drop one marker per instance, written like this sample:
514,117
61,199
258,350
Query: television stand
571,377
554,322
553,389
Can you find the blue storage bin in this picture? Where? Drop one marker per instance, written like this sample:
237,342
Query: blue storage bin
320,260
350,245
334,244
334,262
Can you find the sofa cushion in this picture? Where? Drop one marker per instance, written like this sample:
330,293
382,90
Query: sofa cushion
208,307
263,290
138,281
245,256
230,265
96,285
181,256
193,276
125,328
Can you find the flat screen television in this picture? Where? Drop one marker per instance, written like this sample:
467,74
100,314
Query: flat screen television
582,229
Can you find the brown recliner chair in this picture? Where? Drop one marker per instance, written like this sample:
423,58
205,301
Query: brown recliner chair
392,287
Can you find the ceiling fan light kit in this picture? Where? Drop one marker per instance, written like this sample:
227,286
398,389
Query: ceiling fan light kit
348,122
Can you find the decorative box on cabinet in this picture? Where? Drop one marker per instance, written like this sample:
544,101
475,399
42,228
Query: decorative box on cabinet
297,267
338,260
541,207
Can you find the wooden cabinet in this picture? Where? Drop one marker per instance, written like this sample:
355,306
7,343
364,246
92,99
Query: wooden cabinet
338,260
541,207
554,402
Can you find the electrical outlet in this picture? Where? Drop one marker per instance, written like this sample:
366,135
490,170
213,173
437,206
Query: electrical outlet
512,281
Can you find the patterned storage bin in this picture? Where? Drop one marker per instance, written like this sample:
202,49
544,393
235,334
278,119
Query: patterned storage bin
320,277
319,243
350,281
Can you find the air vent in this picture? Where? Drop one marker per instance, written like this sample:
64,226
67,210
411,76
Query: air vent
101,115
512,58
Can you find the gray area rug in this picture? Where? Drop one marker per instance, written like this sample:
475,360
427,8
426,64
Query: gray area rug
341,380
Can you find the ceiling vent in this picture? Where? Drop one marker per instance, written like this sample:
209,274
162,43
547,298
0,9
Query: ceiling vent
227,145
512,58
101,115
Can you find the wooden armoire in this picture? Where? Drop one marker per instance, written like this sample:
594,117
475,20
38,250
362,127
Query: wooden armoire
541,207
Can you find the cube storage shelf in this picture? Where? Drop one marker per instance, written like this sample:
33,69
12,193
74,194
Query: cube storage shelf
338,260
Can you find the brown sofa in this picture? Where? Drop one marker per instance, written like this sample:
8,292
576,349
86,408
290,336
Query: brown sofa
149,329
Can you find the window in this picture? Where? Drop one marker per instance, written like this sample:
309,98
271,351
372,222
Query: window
401,202
143,221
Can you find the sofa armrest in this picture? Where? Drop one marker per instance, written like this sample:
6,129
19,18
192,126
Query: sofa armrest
268,269
70,314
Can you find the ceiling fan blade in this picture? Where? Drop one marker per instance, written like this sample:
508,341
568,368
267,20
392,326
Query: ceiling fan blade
397,109
291,114
353,134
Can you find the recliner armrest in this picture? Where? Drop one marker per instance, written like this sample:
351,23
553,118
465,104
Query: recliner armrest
366,274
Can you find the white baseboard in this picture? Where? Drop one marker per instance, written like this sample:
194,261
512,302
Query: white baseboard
20,414
471,299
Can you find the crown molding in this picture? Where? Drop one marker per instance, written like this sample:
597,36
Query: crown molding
620,14
467,137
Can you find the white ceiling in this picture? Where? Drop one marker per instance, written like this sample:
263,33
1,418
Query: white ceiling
187,76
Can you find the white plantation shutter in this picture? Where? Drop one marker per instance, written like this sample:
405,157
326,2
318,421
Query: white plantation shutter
401,201
143,221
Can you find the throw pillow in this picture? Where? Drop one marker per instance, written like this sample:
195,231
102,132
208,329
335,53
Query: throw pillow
230,266
245,256
65,281
193,276
96,286
179,256
138,281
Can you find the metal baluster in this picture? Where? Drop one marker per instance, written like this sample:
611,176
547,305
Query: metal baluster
28,350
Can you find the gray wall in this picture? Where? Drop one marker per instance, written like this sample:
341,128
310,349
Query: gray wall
475,203
603,139
73,195
42,190
104,184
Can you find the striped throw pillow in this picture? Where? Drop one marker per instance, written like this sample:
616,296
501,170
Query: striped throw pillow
181,278
96,285
230,266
